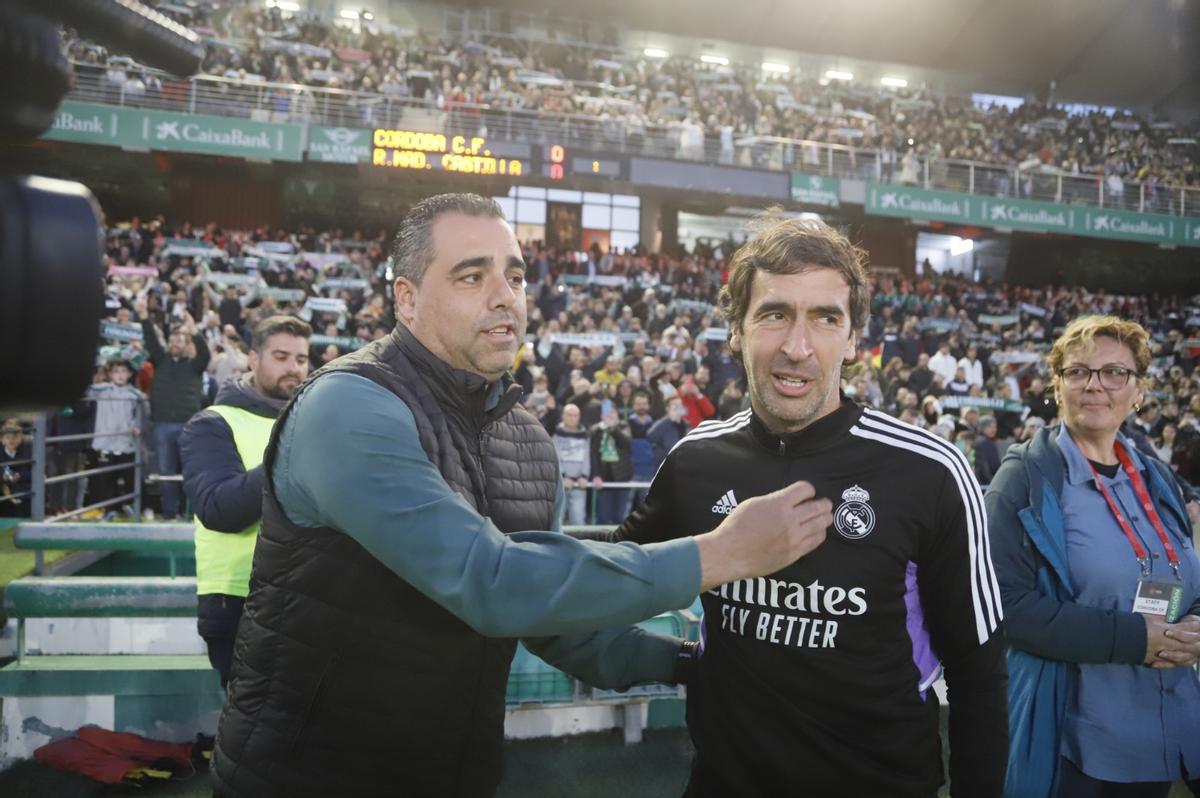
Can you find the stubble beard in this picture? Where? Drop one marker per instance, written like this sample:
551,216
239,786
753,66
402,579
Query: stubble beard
788,415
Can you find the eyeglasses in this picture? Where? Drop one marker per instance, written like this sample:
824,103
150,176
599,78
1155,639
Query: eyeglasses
1112,378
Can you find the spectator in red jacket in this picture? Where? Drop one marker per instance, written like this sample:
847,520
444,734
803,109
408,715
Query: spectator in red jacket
699,407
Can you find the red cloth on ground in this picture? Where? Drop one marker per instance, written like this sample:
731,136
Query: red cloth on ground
136,746
109,756
79,756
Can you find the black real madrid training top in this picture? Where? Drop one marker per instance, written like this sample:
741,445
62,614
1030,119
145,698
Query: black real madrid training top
817,680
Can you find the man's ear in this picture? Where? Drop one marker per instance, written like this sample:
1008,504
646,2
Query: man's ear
405,294
735,341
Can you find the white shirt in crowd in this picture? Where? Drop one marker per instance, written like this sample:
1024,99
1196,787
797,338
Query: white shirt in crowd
943,364
116,415
973,369
1014,386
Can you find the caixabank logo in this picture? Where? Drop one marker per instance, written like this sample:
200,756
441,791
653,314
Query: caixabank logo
199,133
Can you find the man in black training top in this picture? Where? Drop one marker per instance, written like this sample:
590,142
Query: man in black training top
817,680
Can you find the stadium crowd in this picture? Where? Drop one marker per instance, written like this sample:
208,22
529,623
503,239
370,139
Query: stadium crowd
625,351
701,109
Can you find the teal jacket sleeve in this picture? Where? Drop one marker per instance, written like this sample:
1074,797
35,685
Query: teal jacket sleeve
613,659
349,458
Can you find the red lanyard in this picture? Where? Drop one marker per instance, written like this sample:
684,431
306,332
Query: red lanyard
1143,496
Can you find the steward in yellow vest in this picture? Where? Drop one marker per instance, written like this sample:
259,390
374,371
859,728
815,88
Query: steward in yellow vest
221,450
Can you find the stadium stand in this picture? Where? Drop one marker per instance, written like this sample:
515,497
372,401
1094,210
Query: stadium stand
663,300
639,100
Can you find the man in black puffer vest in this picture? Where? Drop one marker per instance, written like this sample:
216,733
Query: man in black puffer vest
392,576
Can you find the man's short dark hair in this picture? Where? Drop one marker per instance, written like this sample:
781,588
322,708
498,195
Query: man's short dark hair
783,245
412,249
275,325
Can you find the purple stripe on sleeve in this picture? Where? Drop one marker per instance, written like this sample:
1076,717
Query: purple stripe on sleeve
928,666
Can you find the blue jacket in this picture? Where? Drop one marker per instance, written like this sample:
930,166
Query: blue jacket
663,435
642,450
1047,632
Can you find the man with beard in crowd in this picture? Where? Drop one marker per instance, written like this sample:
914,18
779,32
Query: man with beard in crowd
221,451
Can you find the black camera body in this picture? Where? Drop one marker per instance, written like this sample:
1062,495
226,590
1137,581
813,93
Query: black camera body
51,242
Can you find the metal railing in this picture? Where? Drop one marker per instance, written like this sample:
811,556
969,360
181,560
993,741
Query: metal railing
968,177
296,103
591,519
40,460
39,481
40,444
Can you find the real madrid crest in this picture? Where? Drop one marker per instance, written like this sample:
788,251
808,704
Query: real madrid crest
854,518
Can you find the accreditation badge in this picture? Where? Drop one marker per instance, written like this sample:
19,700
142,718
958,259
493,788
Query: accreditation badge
1159,598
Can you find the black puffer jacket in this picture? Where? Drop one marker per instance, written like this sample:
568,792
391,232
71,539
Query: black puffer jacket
347,681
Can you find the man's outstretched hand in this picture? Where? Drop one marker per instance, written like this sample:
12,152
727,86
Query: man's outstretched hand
763,535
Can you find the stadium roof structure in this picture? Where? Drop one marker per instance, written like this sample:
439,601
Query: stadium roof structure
1137,54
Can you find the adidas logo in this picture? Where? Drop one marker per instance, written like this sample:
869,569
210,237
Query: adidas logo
725,504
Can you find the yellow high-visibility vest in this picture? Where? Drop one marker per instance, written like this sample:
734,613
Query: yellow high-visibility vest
223,558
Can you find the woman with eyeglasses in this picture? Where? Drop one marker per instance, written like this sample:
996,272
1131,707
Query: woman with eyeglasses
1101,588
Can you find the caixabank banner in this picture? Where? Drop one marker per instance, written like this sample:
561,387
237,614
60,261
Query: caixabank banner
1028,215
141,129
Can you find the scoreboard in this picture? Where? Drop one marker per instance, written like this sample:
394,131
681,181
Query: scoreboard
413,149
560,162
393,148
